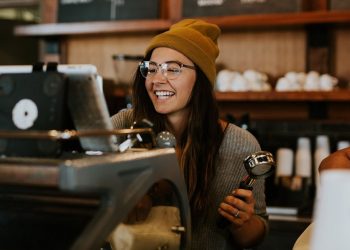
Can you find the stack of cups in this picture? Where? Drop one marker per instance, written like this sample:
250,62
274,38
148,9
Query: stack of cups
284,162
322,150
303,161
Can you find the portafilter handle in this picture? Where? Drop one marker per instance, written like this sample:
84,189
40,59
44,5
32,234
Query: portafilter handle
259,165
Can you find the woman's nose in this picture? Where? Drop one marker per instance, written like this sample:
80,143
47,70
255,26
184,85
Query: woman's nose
160,75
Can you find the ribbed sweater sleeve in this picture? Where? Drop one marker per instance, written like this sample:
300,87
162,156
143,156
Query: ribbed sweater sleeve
122,119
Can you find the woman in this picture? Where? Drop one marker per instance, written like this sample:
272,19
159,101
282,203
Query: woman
173,88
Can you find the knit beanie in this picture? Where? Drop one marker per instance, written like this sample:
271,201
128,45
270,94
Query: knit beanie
194,38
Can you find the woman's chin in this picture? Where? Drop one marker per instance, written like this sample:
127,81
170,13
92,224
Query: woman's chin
162,111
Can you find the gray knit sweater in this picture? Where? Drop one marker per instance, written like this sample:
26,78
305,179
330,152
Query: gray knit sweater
236,145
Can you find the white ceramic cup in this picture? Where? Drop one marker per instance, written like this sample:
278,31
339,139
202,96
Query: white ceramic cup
223,80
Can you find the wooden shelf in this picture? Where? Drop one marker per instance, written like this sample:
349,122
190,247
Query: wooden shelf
225,22
272,96
82,28
18,3
280,19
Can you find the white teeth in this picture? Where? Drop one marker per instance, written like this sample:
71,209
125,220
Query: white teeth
164,93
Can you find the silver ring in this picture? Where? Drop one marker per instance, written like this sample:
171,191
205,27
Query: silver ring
237,214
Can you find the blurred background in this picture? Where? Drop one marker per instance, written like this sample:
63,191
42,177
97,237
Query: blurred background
283,73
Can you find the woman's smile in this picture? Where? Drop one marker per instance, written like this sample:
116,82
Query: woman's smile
164,94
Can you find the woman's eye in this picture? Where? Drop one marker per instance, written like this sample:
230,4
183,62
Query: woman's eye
174,70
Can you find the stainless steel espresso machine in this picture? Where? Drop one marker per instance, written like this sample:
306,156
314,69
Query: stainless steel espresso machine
71,186
77,203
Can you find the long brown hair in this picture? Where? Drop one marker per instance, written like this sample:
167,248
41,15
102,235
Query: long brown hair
200,140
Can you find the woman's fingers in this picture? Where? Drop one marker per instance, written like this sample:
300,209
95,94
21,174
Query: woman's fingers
244,194
237,218
238,207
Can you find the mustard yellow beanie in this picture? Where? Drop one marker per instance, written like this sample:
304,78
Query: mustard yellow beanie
194,38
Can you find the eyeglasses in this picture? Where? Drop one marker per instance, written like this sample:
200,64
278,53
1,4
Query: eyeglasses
170,70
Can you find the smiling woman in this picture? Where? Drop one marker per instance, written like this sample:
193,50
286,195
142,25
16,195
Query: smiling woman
173,88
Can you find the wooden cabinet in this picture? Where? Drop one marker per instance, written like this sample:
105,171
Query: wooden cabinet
225,22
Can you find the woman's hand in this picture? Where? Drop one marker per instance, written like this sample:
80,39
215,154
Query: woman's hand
238,207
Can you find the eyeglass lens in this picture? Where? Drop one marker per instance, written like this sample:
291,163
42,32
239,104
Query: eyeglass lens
170,70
